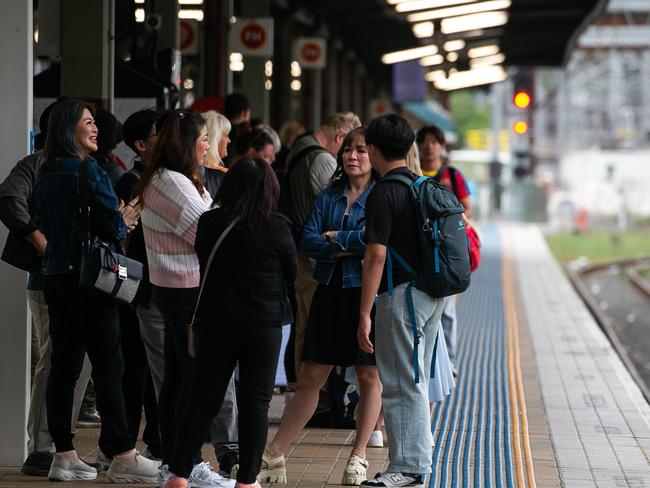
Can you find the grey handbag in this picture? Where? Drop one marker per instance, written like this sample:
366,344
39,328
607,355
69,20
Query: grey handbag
190,327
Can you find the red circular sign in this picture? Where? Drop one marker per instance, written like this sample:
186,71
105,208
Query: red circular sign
310,52
252,36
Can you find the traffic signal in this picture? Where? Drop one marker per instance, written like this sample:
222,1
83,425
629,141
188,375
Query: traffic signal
523,84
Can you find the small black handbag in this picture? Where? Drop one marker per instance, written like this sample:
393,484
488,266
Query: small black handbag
103,269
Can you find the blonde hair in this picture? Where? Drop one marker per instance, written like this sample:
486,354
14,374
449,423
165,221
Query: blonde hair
290,131
217,125
413,160
342,121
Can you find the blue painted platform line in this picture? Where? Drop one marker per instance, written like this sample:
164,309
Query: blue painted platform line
472,428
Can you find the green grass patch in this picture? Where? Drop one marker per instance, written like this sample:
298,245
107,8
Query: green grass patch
599,246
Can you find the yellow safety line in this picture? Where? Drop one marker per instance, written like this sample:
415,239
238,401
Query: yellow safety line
515,382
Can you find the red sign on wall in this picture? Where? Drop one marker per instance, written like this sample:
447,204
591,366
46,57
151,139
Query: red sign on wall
252,37
311,52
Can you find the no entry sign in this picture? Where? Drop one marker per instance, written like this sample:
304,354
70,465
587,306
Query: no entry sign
311,52
252,37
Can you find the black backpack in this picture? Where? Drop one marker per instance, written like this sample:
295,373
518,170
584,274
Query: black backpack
444,247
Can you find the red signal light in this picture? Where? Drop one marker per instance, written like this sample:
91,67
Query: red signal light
522,99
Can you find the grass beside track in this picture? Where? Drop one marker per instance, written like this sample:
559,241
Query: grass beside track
599,245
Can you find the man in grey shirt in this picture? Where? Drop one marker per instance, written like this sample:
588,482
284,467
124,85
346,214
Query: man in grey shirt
310,165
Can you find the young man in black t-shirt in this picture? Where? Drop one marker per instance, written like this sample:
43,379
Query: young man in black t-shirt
391,221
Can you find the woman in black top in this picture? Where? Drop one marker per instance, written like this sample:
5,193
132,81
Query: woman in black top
244,304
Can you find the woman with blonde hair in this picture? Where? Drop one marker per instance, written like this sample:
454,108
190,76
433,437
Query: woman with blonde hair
214,169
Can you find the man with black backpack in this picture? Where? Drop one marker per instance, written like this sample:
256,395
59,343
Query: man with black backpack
415,229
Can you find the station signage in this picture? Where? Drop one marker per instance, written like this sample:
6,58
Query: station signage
310,52
252,37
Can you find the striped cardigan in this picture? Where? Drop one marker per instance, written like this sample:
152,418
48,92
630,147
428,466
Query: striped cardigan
172,207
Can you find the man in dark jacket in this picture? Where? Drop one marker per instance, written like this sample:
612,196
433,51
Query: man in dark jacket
24,247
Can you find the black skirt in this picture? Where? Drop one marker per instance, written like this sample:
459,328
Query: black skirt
331,335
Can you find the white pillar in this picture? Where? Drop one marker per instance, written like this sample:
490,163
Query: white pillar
16,73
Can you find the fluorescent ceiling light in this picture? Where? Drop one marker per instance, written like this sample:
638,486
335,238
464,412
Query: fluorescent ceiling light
139,1
452,57
139,15
412,5
473,77
479,52
472,8
488,60
190,2
456,45
395,2
435,75
423,29
474,21
432,60
408,54
191,14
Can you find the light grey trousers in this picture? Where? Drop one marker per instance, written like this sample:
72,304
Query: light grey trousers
405,402
449,327
39,439
224,432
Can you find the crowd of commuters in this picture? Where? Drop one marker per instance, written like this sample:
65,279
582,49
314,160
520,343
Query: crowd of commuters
240,231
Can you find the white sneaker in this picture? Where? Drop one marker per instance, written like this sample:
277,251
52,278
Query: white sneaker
163,475
144,471
63,469
203,476
376,439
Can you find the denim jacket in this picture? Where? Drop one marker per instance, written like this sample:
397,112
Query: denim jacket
55,203
327,215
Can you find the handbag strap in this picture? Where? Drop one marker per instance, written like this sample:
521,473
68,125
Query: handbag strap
208,265
84,198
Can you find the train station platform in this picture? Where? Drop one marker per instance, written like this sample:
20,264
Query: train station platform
542,399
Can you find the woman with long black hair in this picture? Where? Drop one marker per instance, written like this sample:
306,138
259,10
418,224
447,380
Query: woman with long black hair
244,304
80,320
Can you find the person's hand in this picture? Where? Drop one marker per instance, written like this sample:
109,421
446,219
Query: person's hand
363,334
330,235
130,213
38,240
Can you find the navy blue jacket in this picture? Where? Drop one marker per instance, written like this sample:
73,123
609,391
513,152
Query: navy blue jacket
55,204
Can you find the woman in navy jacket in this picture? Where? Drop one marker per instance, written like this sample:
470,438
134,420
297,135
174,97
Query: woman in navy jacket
82,321
334,237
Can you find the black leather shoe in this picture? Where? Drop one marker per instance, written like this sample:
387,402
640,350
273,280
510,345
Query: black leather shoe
37,464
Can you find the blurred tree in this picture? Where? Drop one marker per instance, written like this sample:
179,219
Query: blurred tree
470,110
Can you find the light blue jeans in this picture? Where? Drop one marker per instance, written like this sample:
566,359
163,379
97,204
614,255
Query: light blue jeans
406,403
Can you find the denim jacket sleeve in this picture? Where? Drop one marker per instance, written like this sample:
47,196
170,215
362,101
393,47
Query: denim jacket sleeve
351,241
312,243
106,220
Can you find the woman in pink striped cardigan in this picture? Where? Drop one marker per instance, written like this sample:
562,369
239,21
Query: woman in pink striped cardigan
173,199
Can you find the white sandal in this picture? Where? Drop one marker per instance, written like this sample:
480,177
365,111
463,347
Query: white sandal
273,470
355,471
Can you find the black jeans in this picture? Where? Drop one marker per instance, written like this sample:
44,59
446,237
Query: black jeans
176,306
137,384
257,350
84,322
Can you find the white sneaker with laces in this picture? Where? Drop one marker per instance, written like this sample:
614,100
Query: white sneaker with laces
203,476
63,469
143,471
163,475
376,439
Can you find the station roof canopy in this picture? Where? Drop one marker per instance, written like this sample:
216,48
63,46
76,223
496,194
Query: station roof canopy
537,32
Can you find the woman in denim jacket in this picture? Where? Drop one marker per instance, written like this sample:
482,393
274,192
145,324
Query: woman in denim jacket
82,321
334,237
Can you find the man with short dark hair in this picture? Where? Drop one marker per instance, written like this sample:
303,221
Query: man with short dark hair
237,109
392,224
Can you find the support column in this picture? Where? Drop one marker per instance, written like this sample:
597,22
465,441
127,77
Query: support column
316,96
333,78
16,77
253,75
84,50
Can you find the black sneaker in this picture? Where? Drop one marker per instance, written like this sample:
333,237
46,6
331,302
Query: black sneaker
37,464
395,479
229,464
89,418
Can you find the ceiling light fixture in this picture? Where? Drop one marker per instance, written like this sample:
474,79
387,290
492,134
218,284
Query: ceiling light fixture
473,77
423,29
472,8
456,45
487,60
194,14
481,51
408,54
432,60
413,5
463,23
435,75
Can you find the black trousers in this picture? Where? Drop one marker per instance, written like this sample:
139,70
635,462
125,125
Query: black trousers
176,306
84,322
137,384
257,350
